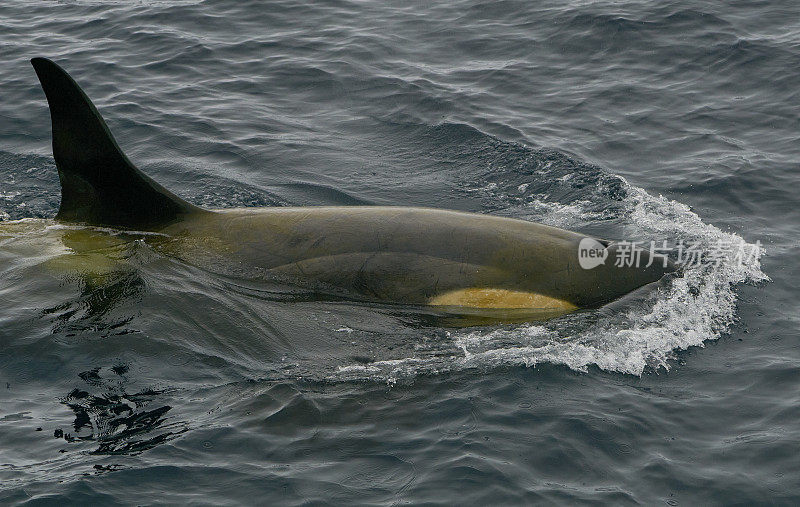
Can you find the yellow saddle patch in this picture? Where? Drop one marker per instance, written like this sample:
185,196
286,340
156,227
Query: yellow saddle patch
480,297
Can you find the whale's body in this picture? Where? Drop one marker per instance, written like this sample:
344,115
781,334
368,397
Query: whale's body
391,254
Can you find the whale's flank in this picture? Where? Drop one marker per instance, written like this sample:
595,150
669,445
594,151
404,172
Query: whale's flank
99,185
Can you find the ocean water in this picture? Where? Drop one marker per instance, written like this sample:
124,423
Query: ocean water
171,383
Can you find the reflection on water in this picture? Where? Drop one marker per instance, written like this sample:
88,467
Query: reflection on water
99,294
116,421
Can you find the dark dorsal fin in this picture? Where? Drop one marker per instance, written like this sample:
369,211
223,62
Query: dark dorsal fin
99,185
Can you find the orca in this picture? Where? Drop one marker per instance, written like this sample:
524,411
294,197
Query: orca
406,255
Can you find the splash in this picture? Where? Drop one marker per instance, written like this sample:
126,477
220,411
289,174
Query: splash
694,308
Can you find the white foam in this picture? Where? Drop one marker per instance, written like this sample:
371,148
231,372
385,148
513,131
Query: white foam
561,215
698,307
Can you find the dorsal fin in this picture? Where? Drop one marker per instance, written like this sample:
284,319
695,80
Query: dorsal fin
99,185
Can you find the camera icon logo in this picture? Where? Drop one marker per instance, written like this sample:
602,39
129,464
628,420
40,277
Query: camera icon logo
591,253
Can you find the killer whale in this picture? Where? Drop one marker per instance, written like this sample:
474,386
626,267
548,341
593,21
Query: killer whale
420,256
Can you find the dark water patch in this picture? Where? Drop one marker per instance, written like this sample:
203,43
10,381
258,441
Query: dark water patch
118,422
99,296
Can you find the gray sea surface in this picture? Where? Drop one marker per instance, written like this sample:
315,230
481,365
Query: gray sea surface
172,383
